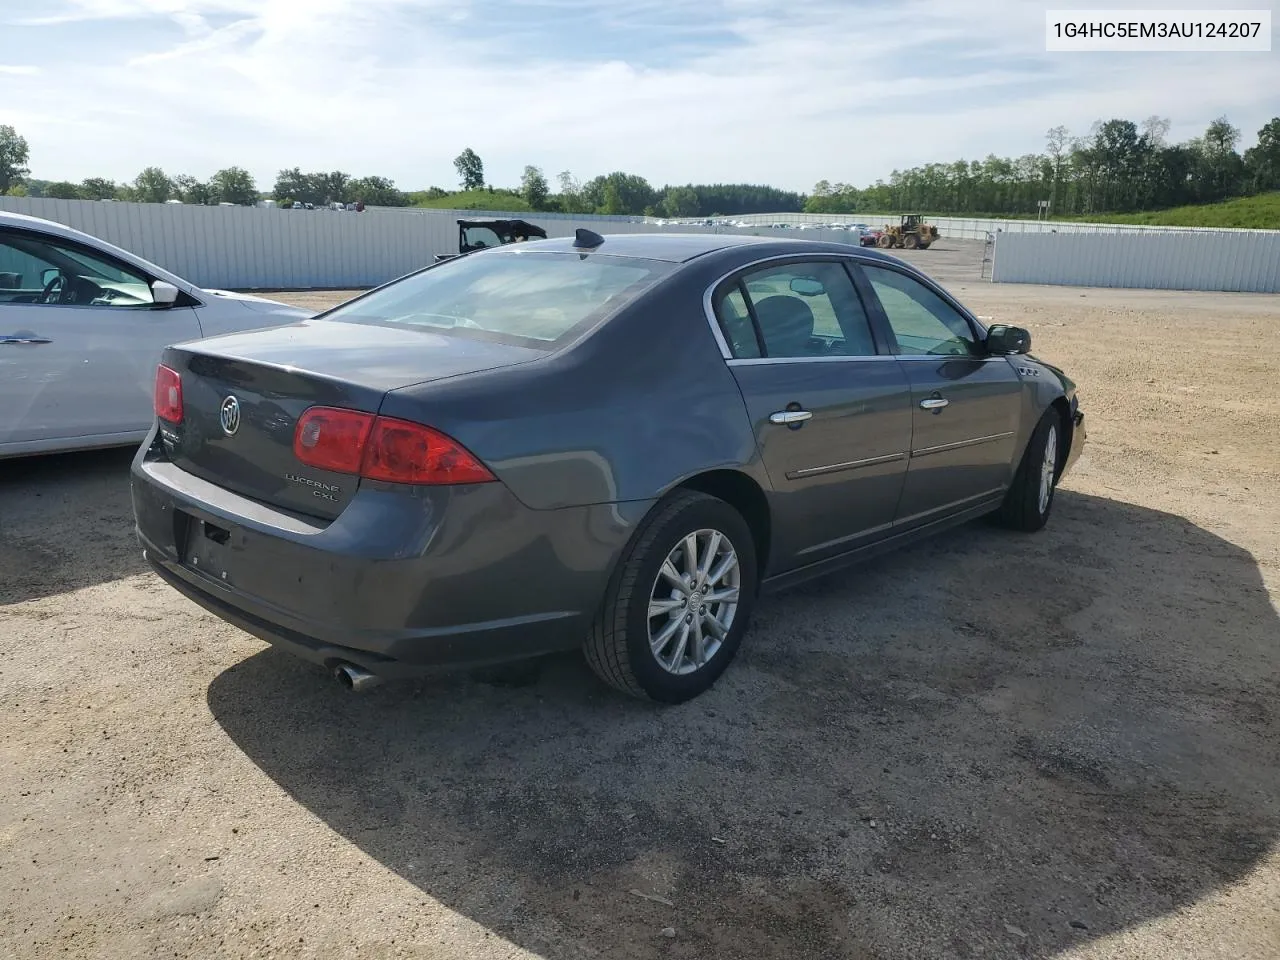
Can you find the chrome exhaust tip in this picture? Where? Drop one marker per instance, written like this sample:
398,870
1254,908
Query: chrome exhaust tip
354,678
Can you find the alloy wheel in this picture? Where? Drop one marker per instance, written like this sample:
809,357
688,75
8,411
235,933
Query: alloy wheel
1048,468
693,601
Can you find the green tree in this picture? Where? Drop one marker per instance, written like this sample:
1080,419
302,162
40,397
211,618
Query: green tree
190,190
1218,168
332,187
470,169
233,185
1058,140
680,202
296,186
152,185
612,205
570,199
13,158
61,190
376,192
533,187
98,188
1262,162
618,193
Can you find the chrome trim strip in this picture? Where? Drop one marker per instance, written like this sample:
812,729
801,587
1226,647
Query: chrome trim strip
943,358
992,493
847,465
942,447
827,545
759,361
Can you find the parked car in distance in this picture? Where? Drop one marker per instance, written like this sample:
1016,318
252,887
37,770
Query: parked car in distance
602,443
869,238
82,325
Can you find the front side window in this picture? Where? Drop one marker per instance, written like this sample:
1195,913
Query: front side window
801,310
43,270
527,297
924,323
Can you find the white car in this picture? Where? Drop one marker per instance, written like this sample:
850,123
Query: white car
82,326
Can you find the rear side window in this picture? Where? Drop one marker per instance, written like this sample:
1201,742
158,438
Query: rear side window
534,298
735,321
802,310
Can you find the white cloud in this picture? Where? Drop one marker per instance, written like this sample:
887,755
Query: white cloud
19,70
829,89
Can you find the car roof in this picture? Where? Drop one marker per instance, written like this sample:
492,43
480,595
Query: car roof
683,247
671,247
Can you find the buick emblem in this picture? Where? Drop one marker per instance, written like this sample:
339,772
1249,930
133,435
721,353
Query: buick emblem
229,416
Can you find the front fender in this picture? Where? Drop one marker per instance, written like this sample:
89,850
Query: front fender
1043,386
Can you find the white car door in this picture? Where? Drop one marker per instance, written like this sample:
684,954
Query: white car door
80,337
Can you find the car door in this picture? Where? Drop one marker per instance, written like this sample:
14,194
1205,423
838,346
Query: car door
79,341
829,404
965,405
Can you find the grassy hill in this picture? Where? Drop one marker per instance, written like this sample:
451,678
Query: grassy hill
1260,213
502,200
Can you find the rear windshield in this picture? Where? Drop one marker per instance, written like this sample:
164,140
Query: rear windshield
535,298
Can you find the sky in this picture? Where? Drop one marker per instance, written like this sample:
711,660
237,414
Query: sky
760,91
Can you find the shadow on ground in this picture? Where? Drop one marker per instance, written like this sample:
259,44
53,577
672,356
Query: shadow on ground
61,519
988,745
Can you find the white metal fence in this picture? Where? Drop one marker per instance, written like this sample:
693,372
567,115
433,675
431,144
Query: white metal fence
1240,261
264,248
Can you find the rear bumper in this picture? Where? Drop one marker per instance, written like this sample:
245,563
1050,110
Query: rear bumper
403,582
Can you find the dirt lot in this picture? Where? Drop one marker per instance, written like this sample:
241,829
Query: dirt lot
990,745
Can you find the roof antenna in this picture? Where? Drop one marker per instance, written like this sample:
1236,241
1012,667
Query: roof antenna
583,237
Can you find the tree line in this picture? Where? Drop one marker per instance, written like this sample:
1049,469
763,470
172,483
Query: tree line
1118,167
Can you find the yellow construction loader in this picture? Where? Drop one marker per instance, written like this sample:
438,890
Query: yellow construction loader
912,234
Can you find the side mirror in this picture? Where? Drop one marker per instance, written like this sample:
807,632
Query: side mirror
48,276
1003,340
163,294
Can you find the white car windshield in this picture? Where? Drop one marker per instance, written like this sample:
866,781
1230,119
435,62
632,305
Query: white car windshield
526,295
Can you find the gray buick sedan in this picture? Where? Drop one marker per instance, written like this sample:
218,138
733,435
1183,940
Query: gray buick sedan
606,443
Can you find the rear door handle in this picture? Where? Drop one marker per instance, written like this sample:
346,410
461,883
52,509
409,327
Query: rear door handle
790,416
19,338
934,403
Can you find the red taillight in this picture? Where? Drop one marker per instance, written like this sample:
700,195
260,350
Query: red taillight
168,399
331,439
403,452
381,448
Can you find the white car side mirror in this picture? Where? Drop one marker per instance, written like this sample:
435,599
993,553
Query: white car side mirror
163,294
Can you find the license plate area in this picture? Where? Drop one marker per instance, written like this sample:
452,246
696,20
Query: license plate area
203,545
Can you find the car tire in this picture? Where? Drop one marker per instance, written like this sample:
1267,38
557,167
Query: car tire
620,647
1029,501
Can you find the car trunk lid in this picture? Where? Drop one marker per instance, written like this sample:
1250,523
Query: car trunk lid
243,395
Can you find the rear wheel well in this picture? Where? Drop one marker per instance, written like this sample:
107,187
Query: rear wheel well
744,495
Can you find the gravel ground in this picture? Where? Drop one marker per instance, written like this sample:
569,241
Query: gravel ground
989,745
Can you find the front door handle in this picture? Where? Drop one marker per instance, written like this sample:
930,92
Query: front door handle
934,403
21,338
790,416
